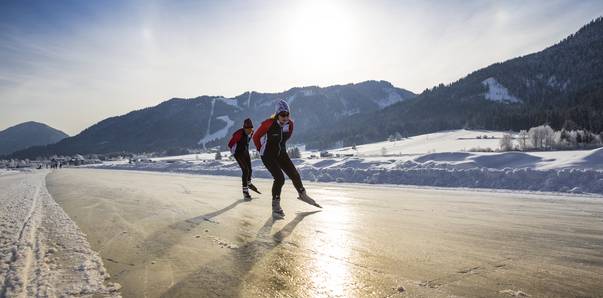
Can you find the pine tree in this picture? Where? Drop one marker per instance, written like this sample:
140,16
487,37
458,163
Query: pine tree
294,153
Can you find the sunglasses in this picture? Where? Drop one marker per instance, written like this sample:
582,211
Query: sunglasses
285,114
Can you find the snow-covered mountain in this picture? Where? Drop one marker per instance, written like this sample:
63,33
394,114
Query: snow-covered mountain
561,86
28,134
208,121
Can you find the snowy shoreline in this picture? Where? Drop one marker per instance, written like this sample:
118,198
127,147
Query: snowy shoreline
565,180
437,160
43,251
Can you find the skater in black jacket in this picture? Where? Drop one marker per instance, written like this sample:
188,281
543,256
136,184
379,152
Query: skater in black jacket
270,140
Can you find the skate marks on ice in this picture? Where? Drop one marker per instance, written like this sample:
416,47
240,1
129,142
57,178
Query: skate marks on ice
162,249
43,252
228,276
286,263
160,242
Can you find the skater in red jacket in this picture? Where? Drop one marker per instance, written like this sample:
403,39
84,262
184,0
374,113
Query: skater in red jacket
239,147
270,139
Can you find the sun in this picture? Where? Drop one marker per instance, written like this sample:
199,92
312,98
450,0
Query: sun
321,33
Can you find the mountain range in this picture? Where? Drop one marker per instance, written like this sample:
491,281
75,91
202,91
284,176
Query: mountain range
207,121
561,85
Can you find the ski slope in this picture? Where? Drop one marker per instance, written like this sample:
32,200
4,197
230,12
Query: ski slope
221,133
497,92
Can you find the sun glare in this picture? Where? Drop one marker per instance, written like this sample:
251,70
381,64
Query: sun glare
321,33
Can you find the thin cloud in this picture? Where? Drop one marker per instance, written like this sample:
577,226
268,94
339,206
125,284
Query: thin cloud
72,64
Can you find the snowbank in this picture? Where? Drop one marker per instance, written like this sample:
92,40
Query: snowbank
511,170
436,159
43,253
591,159
7,172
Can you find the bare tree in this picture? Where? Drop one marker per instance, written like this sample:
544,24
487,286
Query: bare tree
541,137
522,138
506,142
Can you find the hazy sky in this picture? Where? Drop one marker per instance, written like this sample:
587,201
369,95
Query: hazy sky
71,64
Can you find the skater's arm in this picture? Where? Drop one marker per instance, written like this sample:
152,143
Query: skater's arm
234,140
258,134
290,129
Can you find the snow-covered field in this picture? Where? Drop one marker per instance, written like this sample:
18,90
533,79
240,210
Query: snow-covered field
439,159
445,141
7,172
43,252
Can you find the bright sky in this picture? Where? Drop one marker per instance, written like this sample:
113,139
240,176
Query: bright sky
71,64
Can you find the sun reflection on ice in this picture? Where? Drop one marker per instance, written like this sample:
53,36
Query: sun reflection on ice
330,270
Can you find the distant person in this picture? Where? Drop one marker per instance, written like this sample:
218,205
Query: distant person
239,147
270,140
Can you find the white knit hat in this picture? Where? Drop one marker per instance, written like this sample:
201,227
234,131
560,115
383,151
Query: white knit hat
281,106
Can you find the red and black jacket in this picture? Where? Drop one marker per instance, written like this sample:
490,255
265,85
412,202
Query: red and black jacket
271,138
239,142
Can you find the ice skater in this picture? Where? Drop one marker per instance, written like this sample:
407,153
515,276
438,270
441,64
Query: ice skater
271,141
239,147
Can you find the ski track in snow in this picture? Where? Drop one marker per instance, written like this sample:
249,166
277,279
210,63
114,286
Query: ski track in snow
220,133
229,101
211,115
43,252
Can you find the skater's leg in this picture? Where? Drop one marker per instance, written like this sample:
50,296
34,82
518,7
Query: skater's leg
279,179
289,168
247,160
244,169
276,172
244,177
